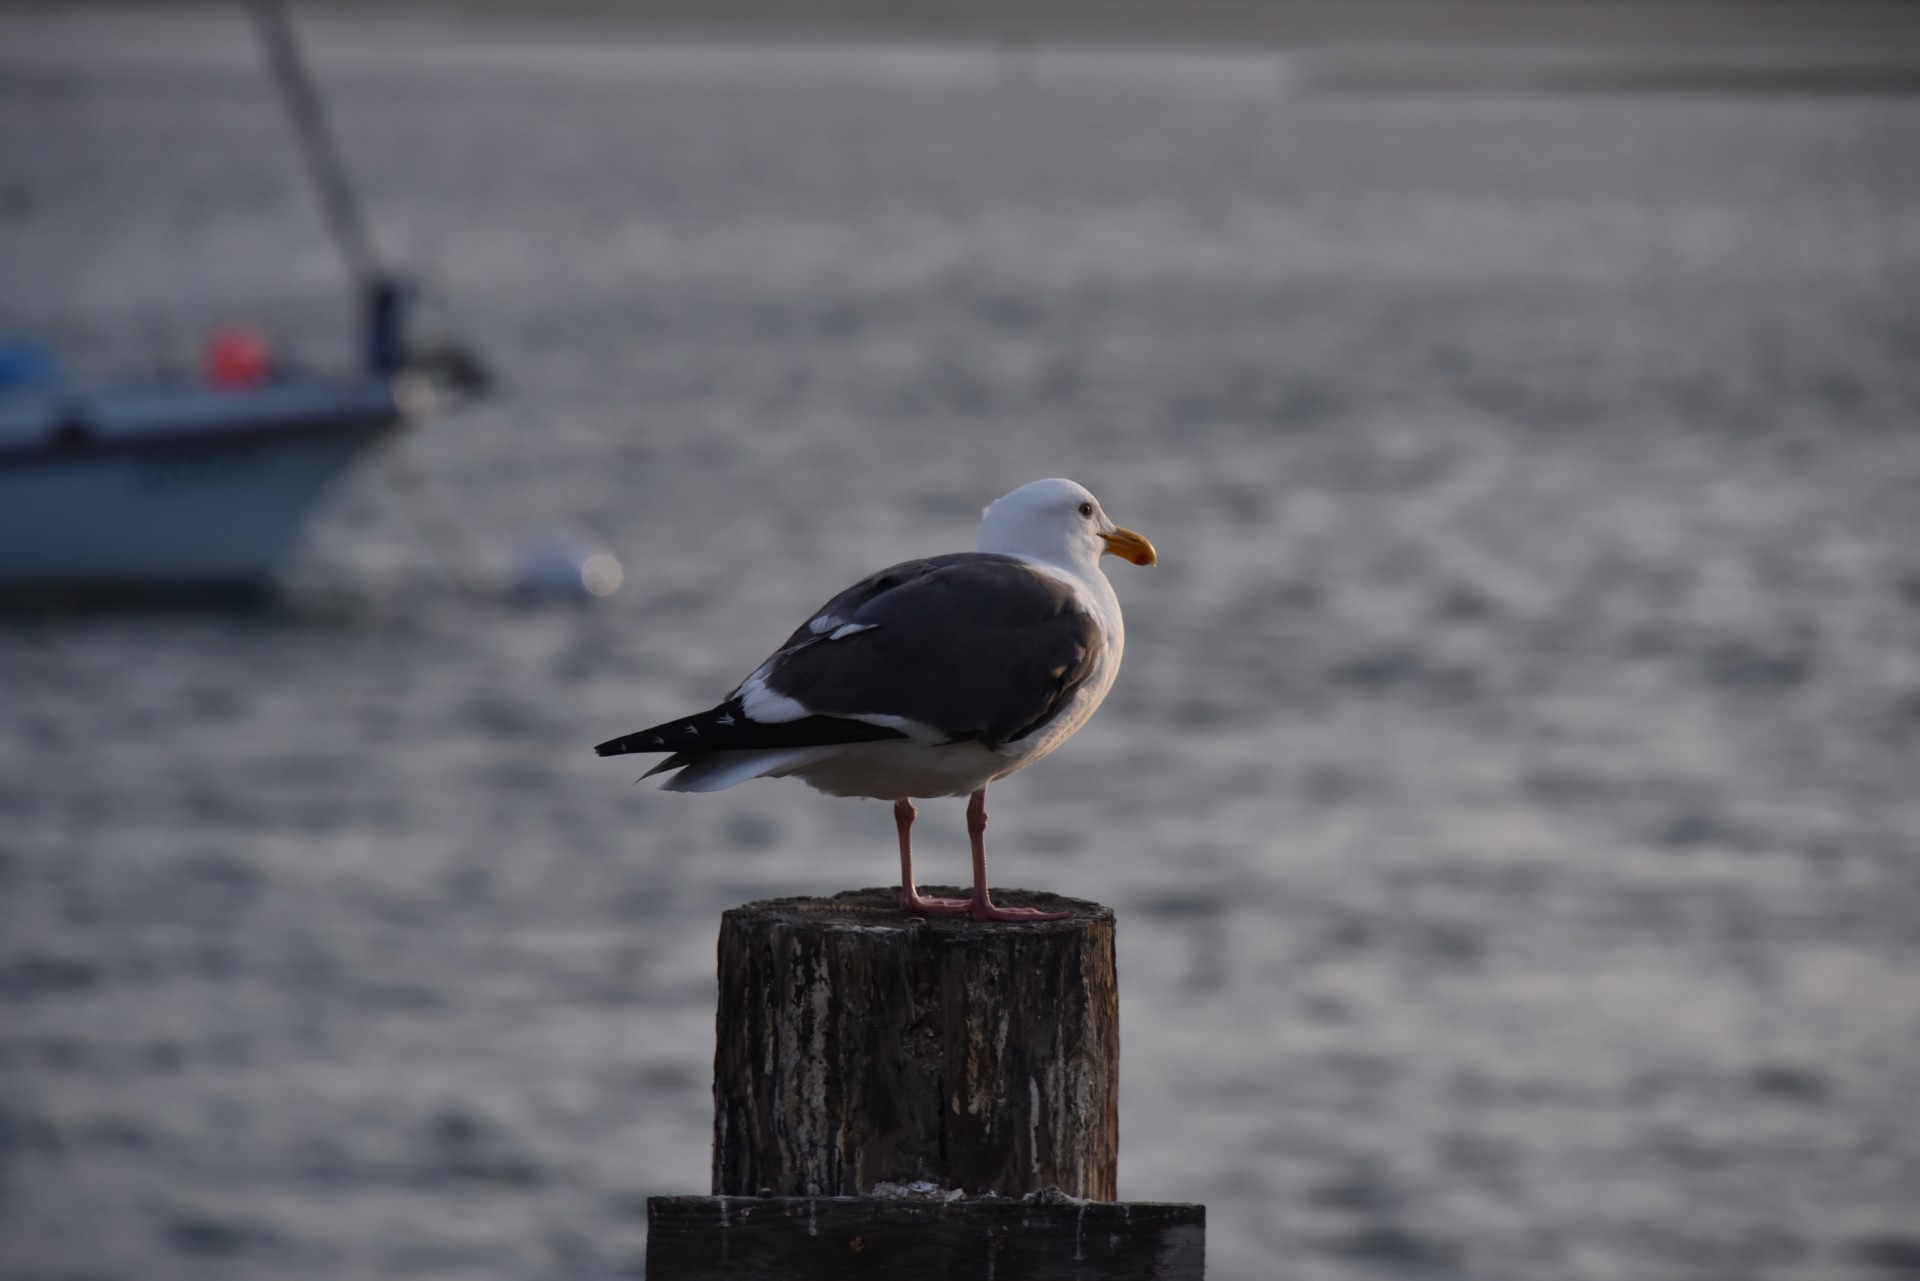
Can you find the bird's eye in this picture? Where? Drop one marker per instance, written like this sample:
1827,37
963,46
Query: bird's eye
1086,509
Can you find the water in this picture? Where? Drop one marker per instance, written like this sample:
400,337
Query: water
1509,798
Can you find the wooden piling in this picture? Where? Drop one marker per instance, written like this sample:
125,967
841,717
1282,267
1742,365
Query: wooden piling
929,1099
859,1046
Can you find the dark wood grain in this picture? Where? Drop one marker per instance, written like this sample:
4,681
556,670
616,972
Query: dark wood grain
858,1045
817,1238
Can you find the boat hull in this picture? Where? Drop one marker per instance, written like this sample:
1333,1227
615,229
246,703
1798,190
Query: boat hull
118,501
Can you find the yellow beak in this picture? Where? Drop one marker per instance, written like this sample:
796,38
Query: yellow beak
1130,546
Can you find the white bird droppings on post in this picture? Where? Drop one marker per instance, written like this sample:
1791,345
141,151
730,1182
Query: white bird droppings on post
1033,1125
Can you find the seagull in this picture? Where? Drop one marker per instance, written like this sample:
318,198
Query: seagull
931,678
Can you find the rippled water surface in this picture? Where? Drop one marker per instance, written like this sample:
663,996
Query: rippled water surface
1511,798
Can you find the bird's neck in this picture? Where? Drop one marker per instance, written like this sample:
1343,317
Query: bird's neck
1092,580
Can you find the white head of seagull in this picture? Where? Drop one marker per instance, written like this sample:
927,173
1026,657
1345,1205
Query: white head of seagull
1059,523
930,678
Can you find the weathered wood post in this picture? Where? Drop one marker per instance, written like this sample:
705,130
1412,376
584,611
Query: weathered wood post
917,1097
859,1046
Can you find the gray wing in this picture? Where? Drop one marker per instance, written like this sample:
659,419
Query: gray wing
974,645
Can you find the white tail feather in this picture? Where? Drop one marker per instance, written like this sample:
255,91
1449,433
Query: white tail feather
722,770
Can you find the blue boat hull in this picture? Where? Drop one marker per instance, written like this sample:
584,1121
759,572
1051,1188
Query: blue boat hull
161,492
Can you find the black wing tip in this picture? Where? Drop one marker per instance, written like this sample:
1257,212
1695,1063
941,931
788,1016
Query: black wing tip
654,737
646,740
725,729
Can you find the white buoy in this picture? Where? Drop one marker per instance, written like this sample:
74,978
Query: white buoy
601,574
565,567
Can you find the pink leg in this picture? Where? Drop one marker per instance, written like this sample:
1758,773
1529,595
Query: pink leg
910,901
982,907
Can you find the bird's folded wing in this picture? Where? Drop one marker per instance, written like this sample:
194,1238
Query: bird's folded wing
971,646
967,647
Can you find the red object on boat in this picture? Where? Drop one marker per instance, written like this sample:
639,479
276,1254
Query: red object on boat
238,357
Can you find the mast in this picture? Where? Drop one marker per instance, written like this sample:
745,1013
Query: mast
382,293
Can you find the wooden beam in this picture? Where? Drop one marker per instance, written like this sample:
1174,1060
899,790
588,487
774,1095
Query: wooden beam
831,1238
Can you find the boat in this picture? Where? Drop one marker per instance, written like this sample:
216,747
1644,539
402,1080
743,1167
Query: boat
202,488
179,490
